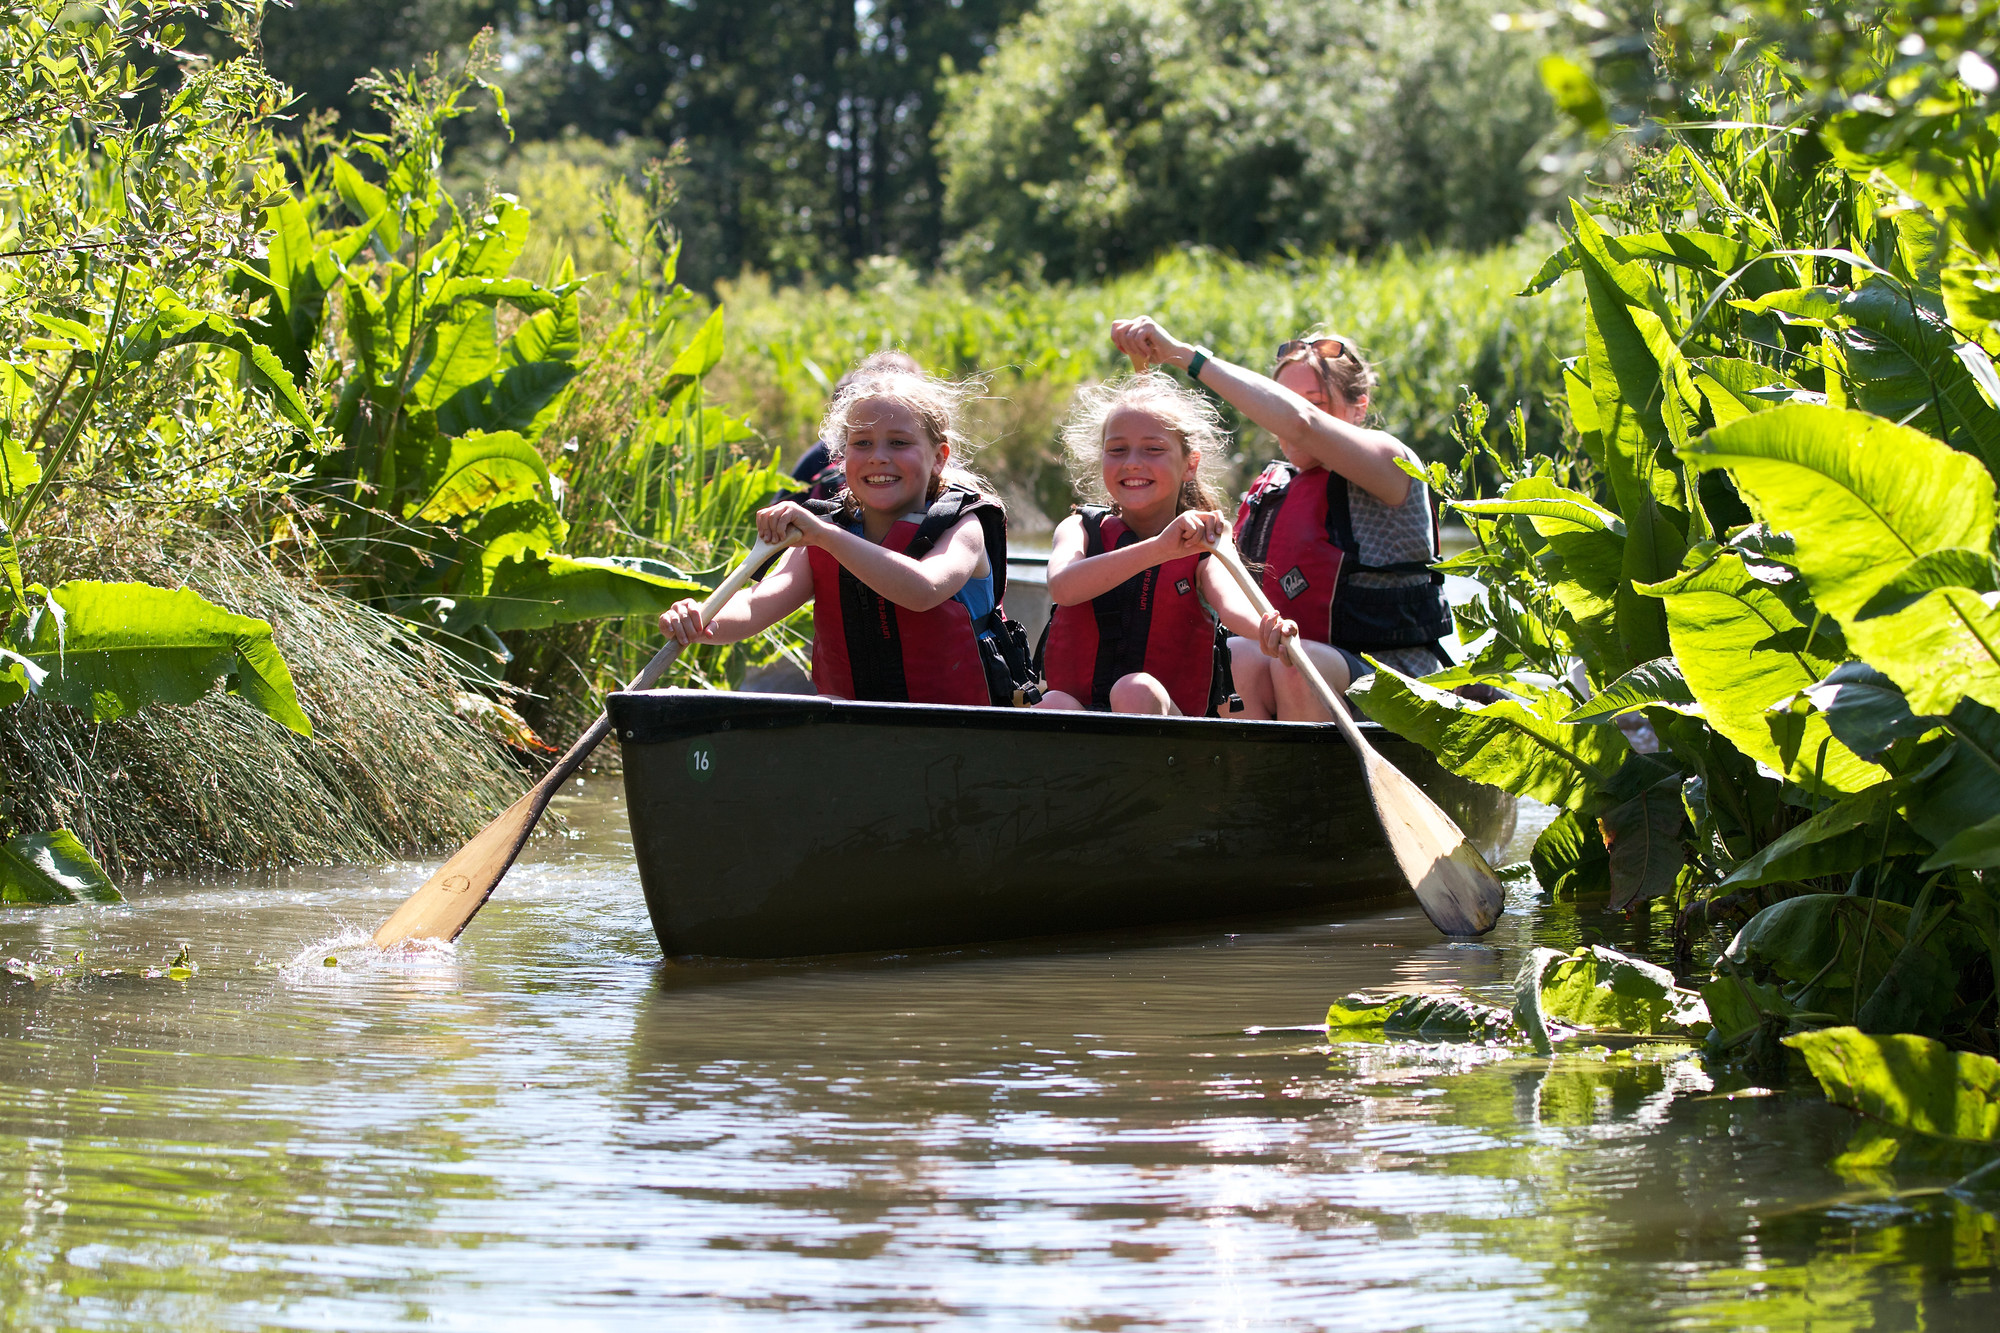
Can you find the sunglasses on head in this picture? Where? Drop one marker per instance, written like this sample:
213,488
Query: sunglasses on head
1326,349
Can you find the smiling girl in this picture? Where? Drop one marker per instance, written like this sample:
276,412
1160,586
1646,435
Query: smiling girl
898,570
1136,596
1346,538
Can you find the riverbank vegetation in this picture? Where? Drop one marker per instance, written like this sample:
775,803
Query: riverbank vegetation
1439,322
1772,535
295,371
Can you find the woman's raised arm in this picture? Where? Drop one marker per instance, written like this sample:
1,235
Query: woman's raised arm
1365,457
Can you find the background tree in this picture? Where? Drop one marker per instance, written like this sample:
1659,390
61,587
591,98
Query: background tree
1100,134
808,123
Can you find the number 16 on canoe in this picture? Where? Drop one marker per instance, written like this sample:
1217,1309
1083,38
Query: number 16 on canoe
453,896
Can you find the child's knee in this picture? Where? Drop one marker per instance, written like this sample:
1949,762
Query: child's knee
1058,699
1140,693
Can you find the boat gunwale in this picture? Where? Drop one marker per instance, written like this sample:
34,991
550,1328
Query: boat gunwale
730,709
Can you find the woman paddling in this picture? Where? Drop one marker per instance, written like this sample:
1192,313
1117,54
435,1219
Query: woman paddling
1136,596
899,573
1346,538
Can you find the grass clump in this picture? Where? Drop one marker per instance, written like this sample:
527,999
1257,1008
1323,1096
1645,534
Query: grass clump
392,768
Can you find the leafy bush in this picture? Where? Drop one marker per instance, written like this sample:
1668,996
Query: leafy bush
1435,321
1101,135
1773,533
650,468
129,368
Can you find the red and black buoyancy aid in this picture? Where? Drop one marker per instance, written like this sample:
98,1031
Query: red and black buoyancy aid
1152,622
1299,527
867,647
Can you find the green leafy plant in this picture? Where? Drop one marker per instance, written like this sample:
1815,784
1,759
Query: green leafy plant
436,503
119,233
1770,535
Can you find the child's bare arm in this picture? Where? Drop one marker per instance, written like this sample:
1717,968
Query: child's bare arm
784,590
1075,577
921,584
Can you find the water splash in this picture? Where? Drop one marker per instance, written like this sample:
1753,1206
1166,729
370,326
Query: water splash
351,953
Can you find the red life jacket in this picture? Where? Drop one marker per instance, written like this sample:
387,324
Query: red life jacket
1299,527
1152,622
867,647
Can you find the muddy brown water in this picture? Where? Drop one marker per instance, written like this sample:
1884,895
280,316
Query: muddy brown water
550,1127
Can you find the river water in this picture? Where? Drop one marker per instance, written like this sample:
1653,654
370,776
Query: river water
549,1126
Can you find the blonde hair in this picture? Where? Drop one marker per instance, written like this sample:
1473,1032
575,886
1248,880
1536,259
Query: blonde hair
1187,415
936,403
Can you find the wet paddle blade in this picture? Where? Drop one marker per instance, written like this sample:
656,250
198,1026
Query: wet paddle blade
1456,888
453,896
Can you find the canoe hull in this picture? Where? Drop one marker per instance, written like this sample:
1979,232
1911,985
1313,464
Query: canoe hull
774,826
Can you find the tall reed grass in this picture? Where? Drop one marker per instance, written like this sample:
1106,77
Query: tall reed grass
391,769
1437,323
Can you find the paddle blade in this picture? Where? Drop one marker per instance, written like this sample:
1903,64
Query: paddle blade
1456,888
450,898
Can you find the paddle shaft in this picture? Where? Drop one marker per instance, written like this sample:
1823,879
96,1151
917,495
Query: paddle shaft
650,673
449,899
1295,651
1453,883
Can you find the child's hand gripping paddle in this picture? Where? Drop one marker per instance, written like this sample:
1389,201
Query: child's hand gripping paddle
451,897
1456,888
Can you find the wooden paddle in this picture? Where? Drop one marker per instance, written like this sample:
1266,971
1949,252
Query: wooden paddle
1456,888
451,897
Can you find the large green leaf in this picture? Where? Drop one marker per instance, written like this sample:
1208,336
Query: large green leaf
1744,642
1520,745
1734,388
555,334
1631,353
497,240
52,868
1569,857
1601,990
1702,251
1866,710
1855,831
509,531
521,398
1961,789
538,591
1974,848
114,648
483,470
368,202
1813,307
1632,396
1903,366
1863,498
1970,571
703,351
1657,683
461,352
1440,1016
19,469
1642,838
1907,1081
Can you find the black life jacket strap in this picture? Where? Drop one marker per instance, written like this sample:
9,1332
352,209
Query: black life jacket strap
944,515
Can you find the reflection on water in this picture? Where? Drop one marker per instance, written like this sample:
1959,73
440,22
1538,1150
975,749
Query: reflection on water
549,1125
